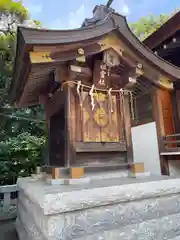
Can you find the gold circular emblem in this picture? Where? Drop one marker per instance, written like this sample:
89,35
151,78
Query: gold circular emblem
81,51
101,117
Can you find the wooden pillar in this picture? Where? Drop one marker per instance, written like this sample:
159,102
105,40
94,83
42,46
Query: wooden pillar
162,111
70,126
127,126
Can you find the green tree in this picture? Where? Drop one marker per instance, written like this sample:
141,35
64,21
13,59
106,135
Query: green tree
147,25
21,130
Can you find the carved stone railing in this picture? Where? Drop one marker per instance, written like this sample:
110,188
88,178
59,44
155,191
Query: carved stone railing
170,143
8,202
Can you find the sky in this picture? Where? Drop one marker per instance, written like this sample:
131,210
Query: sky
68,14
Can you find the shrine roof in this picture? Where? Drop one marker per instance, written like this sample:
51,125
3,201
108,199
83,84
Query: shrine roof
100,25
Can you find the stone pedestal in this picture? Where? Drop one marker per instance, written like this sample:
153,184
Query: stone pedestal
145,208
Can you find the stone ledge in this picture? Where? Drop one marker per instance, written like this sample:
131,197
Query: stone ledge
22,234
166,228
27,224
58,199
90,221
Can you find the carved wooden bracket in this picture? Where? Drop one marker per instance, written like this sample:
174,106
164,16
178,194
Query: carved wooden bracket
165,82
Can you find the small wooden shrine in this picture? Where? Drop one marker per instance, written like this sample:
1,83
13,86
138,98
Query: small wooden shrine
86,79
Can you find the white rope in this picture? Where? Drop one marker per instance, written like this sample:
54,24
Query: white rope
95,88
110,99
92,97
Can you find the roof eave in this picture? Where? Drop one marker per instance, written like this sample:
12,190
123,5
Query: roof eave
164,32
20,51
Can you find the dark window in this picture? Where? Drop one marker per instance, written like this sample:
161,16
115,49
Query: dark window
142,109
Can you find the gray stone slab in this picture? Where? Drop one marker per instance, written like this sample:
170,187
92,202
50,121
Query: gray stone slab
176,238
165,228
29,209
8,230
22,234
29,226
54,199
89,221
141,209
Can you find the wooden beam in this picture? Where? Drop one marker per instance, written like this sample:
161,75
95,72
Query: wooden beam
165,82
79,73
127,125
70,124
99,147
75,53
53,104
131,83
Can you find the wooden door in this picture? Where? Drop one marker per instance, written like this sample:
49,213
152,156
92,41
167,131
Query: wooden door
101,123
167,113
176,109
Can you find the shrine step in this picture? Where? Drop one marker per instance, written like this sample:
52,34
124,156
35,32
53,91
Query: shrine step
114,209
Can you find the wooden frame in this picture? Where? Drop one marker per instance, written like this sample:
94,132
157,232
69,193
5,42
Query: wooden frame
100,147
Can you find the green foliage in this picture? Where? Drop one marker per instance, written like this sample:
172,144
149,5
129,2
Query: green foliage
8,7
6,58
147,25
19,156
22,131
37,23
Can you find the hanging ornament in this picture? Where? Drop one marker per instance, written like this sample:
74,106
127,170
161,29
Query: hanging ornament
78,87
92,97
78,92
110,99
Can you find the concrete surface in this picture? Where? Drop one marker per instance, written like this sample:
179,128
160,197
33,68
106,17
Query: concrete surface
125,208
7,230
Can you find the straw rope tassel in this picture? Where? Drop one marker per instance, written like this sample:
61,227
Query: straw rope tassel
79,94
94,88
110,99
92,97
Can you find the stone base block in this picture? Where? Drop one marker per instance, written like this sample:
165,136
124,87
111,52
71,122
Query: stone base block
22,234
88,178
68,181
103,209
139,175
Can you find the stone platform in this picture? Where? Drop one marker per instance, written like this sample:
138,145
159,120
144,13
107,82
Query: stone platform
120,208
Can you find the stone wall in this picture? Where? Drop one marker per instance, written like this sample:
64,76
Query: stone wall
135,210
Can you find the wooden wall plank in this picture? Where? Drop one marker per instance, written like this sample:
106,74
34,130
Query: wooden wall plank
70,125
127,125
164,124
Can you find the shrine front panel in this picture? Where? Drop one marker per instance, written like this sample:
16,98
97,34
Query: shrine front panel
100,121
